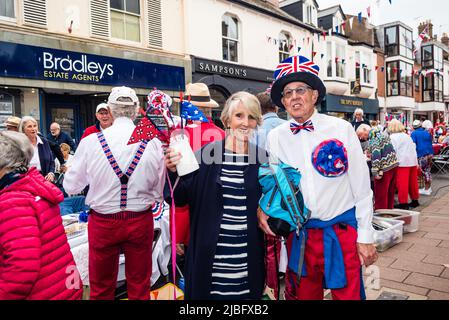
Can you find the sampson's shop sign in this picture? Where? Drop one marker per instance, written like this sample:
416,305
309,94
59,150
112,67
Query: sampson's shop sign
23,61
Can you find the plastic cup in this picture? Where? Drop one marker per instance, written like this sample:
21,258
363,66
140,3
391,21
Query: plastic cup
188,163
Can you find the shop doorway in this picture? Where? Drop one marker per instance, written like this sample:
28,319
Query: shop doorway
220,95
65,111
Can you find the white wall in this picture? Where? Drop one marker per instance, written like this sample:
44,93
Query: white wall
61,12
205,40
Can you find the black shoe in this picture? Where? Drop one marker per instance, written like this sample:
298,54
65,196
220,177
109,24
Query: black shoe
414,204
403,206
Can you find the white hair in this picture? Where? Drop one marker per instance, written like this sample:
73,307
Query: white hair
24,121
363,128
122,110
17,150
358,110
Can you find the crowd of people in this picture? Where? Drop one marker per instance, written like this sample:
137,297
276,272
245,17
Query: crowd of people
348,170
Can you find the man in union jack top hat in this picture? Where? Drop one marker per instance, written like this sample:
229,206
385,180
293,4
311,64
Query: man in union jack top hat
338,240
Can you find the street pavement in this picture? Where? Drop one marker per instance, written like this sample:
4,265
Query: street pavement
418,267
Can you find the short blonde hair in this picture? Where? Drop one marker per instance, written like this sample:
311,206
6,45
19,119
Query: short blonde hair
395,126
65,147
248,100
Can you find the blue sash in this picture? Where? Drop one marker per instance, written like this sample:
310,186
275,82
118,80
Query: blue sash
334,268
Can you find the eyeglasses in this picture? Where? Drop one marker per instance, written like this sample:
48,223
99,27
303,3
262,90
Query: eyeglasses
299,91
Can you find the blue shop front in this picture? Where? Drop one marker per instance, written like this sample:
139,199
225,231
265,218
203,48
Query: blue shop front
344,107
66,86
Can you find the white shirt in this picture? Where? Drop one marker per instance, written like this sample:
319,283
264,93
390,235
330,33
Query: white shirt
68,163
328,197
91,167
405,149
35,162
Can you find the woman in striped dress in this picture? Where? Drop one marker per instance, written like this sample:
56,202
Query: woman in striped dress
225,256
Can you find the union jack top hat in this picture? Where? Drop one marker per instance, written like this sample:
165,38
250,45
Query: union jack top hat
296,68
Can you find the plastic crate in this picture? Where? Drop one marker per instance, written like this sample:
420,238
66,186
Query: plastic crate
410,218
392,235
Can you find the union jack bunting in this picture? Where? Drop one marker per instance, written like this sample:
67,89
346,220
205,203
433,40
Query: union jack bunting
295,64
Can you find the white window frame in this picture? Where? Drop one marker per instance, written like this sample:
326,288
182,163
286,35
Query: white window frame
340,62
366,60
288,36
131,14
11,19
229,39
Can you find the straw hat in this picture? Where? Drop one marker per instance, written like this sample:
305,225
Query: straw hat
13,122
199,95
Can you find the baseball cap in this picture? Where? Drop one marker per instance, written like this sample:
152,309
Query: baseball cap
123,92
102,106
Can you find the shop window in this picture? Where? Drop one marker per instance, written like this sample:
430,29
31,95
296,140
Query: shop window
230,38
125,19
7,9
284,46
6,108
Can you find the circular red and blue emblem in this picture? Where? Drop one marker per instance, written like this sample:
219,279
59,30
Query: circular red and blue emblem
158,210
330,158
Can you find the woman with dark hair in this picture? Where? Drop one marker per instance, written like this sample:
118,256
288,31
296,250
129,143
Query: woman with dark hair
35,261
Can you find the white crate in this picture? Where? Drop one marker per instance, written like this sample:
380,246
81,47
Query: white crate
410,218
389,237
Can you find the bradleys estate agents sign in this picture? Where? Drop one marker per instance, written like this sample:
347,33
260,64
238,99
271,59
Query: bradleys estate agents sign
31,62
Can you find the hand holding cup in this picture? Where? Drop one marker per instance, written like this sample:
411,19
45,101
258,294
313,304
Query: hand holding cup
172,158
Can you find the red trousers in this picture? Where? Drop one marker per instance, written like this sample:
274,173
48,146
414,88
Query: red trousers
272,257
384,190
107,238
407,183
311,286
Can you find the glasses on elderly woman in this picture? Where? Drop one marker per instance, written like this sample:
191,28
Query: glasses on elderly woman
288,93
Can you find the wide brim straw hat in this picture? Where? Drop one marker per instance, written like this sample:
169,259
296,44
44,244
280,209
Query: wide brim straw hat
198,94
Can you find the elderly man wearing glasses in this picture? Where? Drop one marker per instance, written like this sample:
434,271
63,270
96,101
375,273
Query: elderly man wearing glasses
335,184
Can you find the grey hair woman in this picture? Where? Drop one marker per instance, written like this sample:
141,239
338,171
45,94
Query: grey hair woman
43,158
16,153
35,252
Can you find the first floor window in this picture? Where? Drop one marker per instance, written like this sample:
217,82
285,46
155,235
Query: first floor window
340,65
284,46
7,8
399,79
433,88
125,19
229,31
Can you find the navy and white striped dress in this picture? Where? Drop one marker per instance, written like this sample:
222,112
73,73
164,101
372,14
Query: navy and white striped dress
230,266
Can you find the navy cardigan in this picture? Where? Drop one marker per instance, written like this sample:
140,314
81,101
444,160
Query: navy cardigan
202,190
46,157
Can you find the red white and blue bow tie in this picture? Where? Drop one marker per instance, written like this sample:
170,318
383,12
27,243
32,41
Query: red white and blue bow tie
307,126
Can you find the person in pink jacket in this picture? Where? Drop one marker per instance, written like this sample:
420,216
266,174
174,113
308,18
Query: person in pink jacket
35,258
